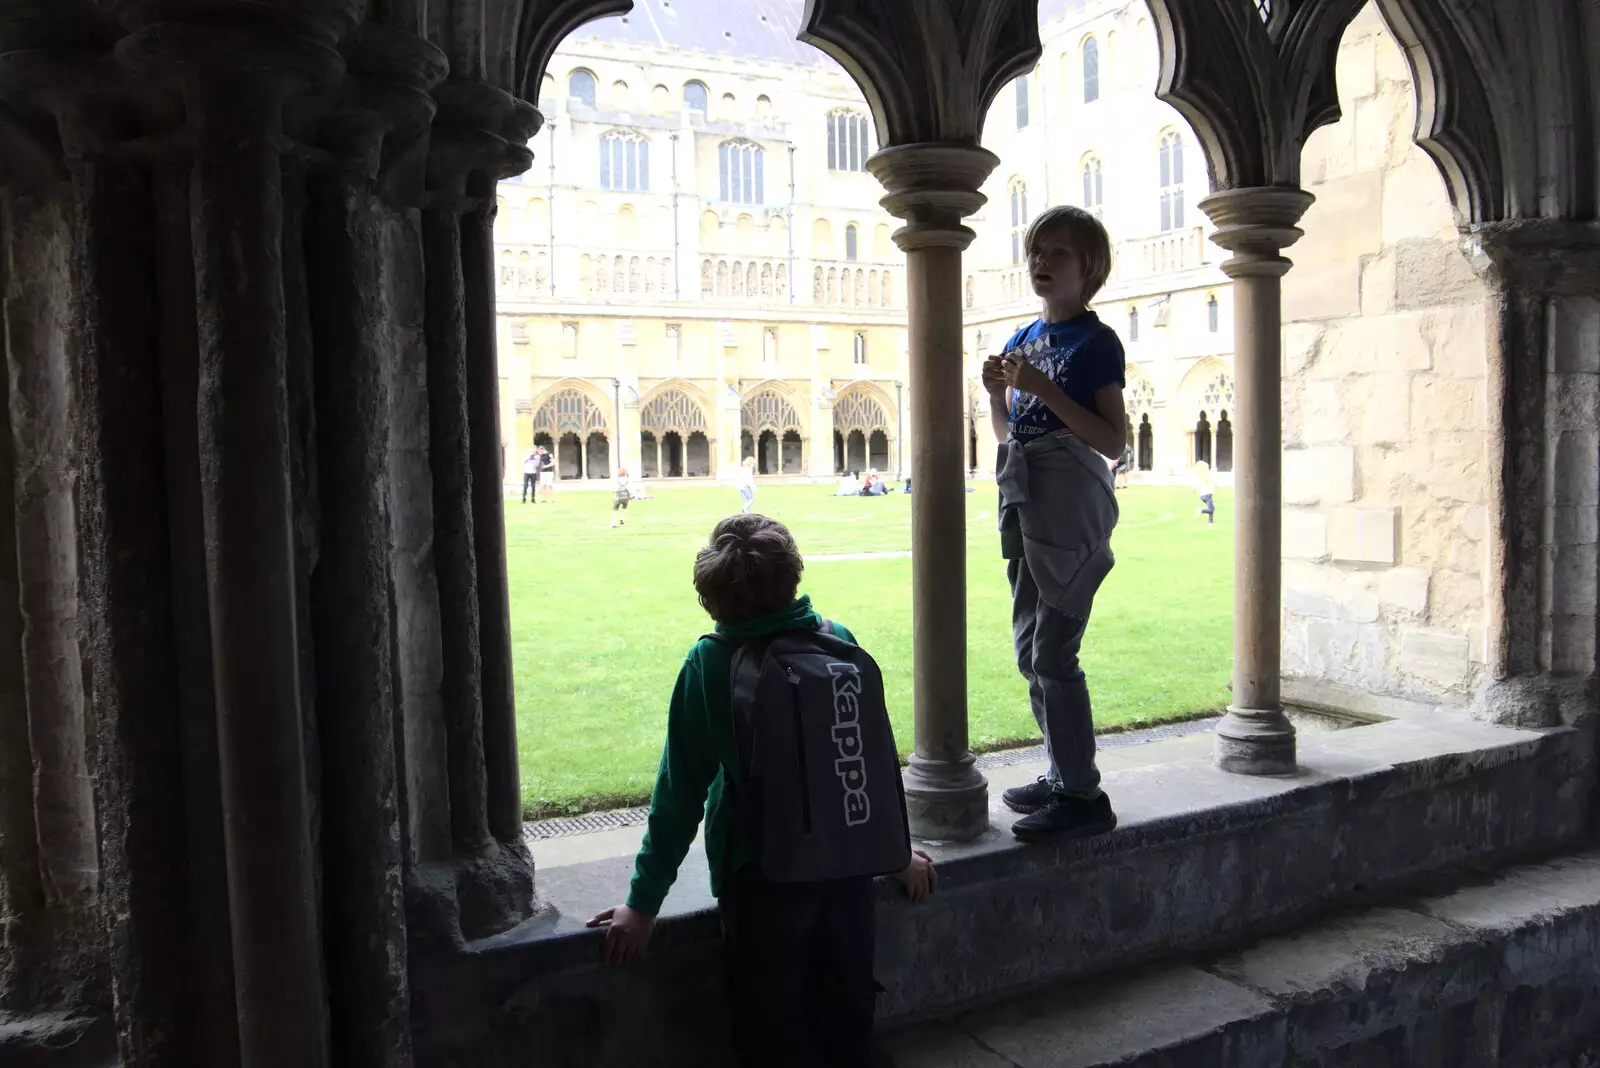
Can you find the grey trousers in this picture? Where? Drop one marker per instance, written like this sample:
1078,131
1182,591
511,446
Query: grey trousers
1047,643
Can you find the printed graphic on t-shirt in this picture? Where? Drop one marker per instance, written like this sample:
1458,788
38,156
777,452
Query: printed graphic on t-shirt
1029,415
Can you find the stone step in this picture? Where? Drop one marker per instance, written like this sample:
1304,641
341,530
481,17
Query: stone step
1504,971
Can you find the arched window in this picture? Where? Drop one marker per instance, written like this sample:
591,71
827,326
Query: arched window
1211,312
625,161
696,97
848,148
860,352
1091,70
580,86
741,164
1019,218
1171,181
1022,102
1133,324
1093,184
850,242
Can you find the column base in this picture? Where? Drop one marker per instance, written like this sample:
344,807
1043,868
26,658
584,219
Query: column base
1256,741
948,801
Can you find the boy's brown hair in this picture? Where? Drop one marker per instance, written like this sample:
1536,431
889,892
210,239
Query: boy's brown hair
750,567
1088,236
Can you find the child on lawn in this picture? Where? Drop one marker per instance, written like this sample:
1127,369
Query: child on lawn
619,502
799,955
1208,495
1056,402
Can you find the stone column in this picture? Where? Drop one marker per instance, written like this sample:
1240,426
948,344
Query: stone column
1256,738
933,187
1543,330
235,84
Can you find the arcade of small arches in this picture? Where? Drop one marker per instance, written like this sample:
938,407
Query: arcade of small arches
853,287
1207,439
750,280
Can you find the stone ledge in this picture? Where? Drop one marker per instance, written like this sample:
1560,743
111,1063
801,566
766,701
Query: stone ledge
1505,973
1202,860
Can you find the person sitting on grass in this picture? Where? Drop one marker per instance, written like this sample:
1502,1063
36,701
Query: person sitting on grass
796,907
1055,398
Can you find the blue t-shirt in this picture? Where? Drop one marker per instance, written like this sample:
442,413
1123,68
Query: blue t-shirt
1082,356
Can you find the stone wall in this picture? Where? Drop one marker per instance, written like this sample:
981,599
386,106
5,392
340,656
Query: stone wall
1386,480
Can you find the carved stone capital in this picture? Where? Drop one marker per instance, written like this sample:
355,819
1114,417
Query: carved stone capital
1255,225
479,136
246,72
322,20
933,187
928,68
1551,257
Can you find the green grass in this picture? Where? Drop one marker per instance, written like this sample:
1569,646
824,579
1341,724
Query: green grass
601,620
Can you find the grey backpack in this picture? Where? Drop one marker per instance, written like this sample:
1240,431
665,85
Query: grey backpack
817,795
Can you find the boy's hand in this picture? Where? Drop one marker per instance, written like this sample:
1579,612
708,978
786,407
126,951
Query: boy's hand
919,879
1024,376
627,934
994,375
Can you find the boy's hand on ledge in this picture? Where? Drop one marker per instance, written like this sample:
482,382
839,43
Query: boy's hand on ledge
919,879
627,934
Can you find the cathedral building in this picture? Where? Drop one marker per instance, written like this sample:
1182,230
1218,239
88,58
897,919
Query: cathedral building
698,270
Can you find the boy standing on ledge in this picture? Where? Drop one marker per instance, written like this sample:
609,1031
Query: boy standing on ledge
1055,396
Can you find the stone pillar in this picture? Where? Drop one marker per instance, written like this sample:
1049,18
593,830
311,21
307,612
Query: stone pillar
1543,332
933,187
385,104
478,136
235,83
1256,738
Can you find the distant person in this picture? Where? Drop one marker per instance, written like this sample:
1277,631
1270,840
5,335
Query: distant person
746,481
547,474
797,912
1055,395
873,486
1206,492
848,486
530,477
619,501
1124,466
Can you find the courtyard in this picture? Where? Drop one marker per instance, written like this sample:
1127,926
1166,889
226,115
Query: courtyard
601,619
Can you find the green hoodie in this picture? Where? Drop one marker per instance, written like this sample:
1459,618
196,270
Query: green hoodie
700,745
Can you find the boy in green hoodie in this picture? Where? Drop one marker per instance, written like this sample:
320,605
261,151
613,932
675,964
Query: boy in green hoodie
799,955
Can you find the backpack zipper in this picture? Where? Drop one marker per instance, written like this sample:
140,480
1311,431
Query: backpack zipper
800,749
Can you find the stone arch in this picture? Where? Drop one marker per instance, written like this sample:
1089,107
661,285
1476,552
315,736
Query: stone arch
674,434
709,224
674,405
863,430
569,415
821,240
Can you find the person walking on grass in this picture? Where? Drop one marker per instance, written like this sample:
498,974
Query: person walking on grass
530,477
796,906
1055,396
619,502
746,481
1206,492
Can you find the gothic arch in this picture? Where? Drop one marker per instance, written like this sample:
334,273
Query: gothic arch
674,406
862,406
571,406
770,406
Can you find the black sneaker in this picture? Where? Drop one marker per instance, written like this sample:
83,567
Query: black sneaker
1029,798
1065,816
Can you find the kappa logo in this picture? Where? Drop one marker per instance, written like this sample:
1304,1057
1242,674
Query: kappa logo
850,767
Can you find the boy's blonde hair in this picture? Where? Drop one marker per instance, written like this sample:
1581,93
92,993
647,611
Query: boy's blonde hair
1088,236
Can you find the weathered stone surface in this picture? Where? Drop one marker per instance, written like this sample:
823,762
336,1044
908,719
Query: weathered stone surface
1369,344
1446,404
1385,406
1319,475
1370,808
1379,274
1575,335
1435,656
1305,535
1313,590
1404,590
1362,535
1457,338
1576,466
1301,345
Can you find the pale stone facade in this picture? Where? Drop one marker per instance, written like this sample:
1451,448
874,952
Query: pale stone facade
1385,479
639,295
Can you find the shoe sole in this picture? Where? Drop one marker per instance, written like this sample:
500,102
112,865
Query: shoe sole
1088,830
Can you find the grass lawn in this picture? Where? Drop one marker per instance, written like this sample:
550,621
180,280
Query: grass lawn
601,620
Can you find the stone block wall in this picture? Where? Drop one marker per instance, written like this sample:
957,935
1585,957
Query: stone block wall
1386,477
